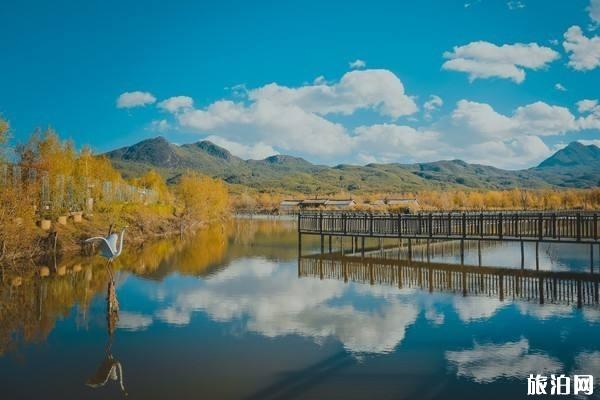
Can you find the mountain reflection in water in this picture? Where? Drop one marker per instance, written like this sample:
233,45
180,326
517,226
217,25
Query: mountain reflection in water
231,312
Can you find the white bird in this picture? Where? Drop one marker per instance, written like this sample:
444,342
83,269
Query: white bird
110,246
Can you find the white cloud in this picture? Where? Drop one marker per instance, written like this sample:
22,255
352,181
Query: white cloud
486,60
558,86
377,89
539,119
320,80
542,119
357,64
173,316
161,125
584,52
135,99
594,10
176,104
389,142
476,308
482,120
587,105
432,104
294,119
489,362
588,363
287,127
131,321
271,300
256,151
591,110
515,5
595,142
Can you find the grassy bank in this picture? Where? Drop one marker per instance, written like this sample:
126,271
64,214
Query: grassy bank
53,197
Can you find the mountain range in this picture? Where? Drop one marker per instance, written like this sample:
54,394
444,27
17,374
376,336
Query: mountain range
575,166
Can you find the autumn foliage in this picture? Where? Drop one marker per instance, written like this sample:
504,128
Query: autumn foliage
55,179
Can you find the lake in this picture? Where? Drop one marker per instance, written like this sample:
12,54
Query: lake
232,313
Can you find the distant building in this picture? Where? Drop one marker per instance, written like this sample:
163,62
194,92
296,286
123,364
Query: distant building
289,205
310,204
316,204
345,204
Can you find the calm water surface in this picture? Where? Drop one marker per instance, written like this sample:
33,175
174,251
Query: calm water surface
233,314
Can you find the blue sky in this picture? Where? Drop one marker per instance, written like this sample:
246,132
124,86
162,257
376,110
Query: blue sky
275,76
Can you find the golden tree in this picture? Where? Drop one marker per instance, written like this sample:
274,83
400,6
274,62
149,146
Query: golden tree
200,199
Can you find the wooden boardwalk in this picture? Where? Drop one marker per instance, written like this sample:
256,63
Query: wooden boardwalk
567,288
572,227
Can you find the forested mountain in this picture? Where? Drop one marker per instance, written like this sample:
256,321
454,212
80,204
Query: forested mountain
576,166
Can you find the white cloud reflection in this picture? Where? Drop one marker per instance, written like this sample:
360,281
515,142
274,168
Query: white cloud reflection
489,362
283,305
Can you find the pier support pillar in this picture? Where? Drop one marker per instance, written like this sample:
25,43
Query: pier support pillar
330,244
322,244
428,254
591,258
479,252
462,251
522,256
362,246
409,249
299,245
537,256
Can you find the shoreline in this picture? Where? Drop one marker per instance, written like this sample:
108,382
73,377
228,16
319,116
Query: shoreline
70,238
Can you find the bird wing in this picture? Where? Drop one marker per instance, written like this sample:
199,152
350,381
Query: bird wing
107,246
95,239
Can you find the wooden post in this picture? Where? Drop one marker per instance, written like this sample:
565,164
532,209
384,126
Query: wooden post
500,225
322,243
579,302
464,225
409,249
362,246
430,225
522,256
462,251
321,223
541,283
330,244
540,226
345,268
299,239
578,226
591,258
479,251
481,224
537,256
399,225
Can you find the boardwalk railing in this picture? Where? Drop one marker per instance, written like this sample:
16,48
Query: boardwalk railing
527,226
568,288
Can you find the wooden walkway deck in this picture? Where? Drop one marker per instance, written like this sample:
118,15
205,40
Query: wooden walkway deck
574,227
568,288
